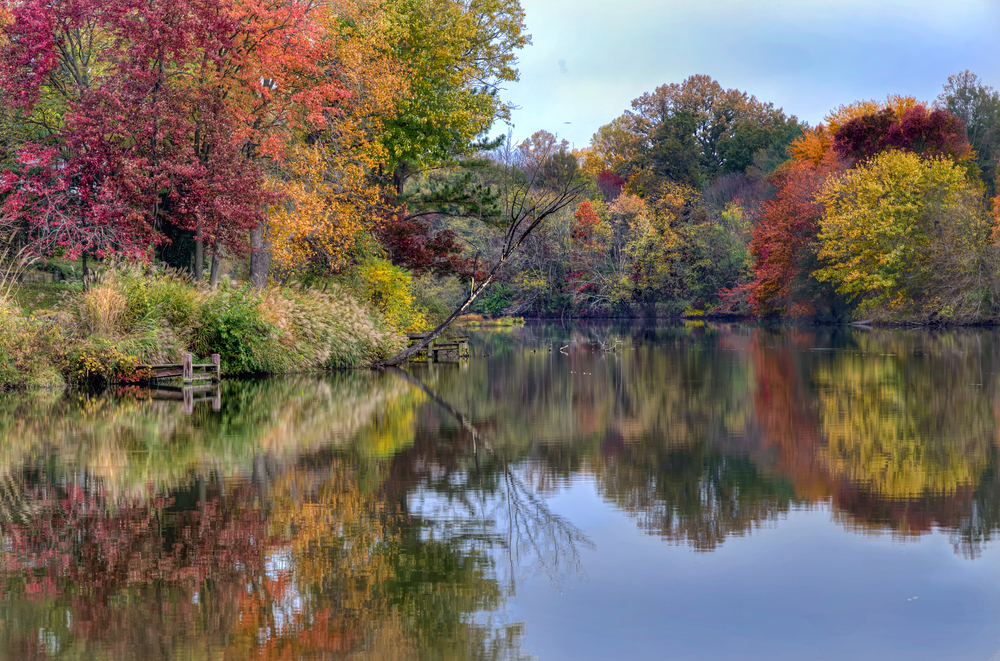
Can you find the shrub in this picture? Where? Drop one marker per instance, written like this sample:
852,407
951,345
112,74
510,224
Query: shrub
26,351
98,362
170,297
231,323
129,319
500,298
387,289
326,330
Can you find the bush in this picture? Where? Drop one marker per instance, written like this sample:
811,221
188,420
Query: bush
129,319
500,298
231,324
26,351
387,289
98,362
168,297
326,330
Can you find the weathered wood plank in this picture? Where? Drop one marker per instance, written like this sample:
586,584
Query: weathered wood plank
168,373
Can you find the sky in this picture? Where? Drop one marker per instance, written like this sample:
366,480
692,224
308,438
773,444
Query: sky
590,58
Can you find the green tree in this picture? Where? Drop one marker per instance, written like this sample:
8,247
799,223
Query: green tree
978,106
720,116
457,55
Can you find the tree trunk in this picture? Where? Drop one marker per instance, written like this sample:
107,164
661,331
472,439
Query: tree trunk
260,260
405,355
399,176
213,276
199,257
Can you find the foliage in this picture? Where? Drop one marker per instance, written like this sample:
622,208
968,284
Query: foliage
978,107
231,323
901,234
413,244
500,298
591,243
130,319
137,138
456,56
168,297
98,362
784,244
328,193
934,133
388,289
327,330
896,103
28,354
715,130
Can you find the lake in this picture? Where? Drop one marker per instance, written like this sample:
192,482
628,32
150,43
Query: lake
577,491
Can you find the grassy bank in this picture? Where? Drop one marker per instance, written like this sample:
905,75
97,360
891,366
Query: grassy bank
130,318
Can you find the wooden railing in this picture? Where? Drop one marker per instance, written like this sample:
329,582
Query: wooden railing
189,370
441,349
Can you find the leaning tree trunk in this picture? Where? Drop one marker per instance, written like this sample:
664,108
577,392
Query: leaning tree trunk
260,259
475,291
527,207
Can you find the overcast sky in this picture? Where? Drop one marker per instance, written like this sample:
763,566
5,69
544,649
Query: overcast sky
590,58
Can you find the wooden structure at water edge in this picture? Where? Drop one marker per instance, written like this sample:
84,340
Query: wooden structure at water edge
189,370
440,350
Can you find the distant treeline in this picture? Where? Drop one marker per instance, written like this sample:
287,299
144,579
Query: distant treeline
706,200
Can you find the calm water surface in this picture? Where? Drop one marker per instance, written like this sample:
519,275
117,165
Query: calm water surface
570,492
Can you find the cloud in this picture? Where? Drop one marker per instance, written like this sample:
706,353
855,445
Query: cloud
807,57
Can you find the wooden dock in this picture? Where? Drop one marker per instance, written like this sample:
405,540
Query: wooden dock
440,350
189,370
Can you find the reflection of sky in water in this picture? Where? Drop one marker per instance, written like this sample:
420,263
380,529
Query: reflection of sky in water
799,590
280,566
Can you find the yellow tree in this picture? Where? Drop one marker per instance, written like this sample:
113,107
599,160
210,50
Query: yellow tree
611,149
904,236
325,177
457,54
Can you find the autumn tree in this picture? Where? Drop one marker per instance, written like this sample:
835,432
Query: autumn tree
844,113
725,125
915,129
591,238
784,244
977,105
905,237
456,55
611,149
159,114
330,200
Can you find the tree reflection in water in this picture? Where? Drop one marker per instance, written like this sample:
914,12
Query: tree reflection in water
307,554
533,538
379,515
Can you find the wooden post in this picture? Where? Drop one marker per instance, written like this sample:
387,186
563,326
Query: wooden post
187,367
217,361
